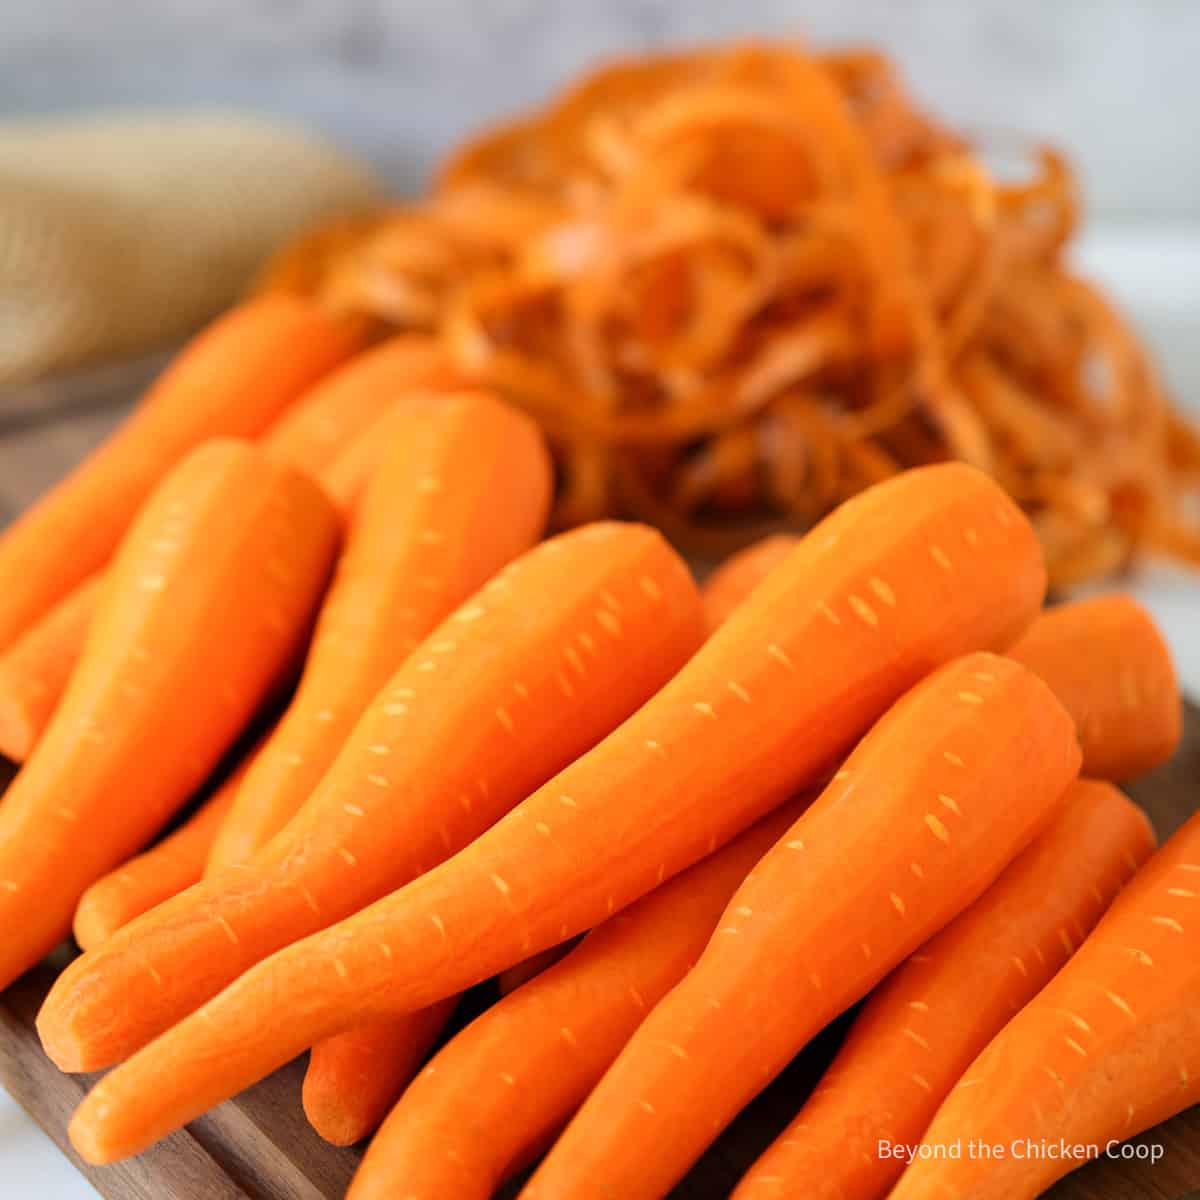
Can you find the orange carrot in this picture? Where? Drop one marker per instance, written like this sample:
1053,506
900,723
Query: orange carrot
521,1069
957,779
348,475
511,687
1108,1048
354,1079
900,578
34,670
232,381
465,487
328,417
156,874
1107,662
733,581
201,614
923,1026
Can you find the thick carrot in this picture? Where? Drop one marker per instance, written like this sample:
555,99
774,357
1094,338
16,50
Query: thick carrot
202,613
1108,1048
355,1078
233,380
1108,663
733,581
902,577
34,670
331,415
464,488
521,1069
156,874
512,686
924,1025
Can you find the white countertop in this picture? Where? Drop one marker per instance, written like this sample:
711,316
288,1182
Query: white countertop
1156,275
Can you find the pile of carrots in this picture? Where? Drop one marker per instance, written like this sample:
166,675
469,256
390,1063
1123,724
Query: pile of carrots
319,730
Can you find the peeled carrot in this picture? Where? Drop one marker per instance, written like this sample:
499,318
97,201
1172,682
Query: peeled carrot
202,613
924,1025
328,417
902,577
464,488
516,683
34,670
522,1068
232,380
1108,1048
354,1079
156,874
348,476
1108,663
733,581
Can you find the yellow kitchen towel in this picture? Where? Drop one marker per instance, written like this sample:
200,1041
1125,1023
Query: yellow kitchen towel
122,232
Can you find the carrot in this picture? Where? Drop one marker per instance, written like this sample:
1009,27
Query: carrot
348,475
923,1026
233,380
512,686
354,1079
764,707
328,417
156,874
521,1069
464,488
1107,662
201,614
1108,1048
733,581
34,670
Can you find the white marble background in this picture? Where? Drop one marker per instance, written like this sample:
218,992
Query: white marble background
1116,80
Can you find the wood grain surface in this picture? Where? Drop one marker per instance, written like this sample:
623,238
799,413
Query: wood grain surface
258,1146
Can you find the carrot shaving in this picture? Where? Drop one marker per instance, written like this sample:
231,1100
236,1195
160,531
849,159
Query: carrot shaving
737,285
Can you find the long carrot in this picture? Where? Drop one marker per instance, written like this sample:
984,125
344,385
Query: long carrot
203,611
355,1078
516,683
521,1069
231,381
35,669
923,1026
957,779
529,968
733,581
1108,1048
328,417
904,576
156,874
1108,663
464,488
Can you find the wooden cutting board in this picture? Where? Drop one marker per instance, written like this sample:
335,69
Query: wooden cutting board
258,1146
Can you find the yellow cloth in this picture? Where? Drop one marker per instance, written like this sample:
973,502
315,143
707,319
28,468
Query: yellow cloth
118,233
